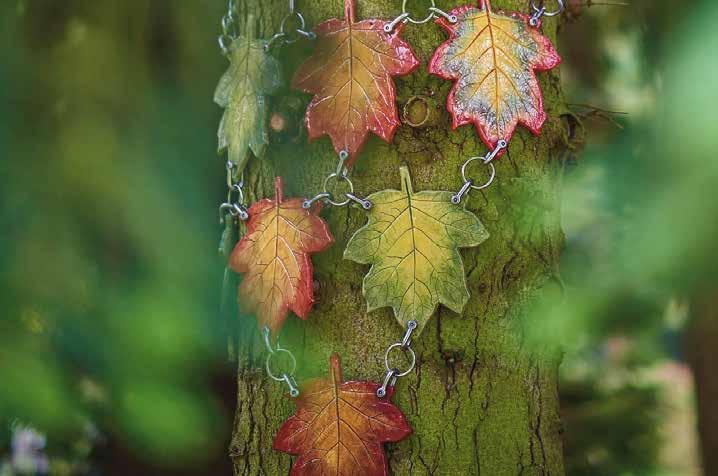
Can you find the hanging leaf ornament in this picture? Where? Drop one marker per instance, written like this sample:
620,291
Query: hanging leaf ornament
274,257
339,427
412,241
492,56
252,75
350,75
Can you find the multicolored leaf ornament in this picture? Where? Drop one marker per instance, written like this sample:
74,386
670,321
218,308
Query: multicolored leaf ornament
252,75
412,241
492,55
274,258
350,75
339,427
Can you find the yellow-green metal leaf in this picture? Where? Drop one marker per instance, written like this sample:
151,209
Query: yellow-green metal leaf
253,74
412,241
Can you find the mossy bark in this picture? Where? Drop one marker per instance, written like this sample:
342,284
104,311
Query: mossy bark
482,401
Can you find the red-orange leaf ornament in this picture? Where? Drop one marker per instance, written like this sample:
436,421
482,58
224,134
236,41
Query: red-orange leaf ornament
274,258
339,427
350,75
493,56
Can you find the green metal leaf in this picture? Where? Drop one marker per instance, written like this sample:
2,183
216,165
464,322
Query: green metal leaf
412,241
252,75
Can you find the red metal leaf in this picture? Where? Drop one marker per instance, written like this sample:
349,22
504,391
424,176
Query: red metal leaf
493,56
339,427
274,258
350,75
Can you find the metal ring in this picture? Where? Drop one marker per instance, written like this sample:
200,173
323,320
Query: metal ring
229,25
237,188
222,46
234,209
399,345
326,183
269,359
275,37
491,178
300,32
295,14
232,176
543,11
228,208
430,17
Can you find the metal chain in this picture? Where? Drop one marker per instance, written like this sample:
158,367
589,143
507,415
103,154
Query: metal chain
405,16
469,183
285,377
230,29
392,373
233,208
542,11
435,12
341,175
291,35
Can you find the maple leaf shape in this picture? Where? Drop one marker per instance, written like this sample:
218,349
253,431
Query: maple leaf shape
412,241
274,258
252,75
493,56
339,427
350,74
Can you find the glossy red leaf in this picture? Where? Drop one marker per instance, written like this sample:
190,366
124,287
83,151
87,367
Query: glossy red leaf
274,258
350,75
339,427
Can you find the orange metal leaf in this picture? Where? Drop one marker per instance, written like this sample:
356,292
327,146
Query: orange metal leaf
350,75
274,258
339,427
492,55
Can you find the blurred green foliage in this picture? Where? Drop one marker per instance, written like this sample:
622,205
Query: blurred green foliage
639,213
109,274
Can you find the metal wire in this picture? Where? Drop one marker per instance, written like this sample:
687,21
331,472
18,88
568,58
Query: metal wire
542,11
392,373
233,208
291,35
285,377
469,183
230,28
405,16
340,175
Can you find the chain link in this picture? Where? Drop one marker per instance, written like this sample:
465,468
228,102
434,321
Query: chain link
470,184
435,12
233,208
405,16
339,175
291,35
230,29
542,11
285,377
392,373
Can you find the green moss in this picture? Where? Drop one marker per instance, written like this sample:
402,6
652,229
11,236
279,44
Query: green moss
480,402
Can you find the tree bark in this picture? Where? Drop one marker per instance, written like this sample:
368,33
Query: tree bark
481,401
702,339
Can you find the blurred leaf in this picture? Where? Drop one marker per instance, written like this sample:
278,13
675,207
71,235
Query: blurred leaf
169,425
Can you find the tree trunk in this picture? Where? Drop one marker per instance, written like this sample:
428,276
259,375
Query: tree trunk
702,339
480,401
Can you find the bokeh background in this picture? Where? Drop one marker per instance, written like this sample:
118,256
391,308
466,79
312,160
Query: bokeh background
113,352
